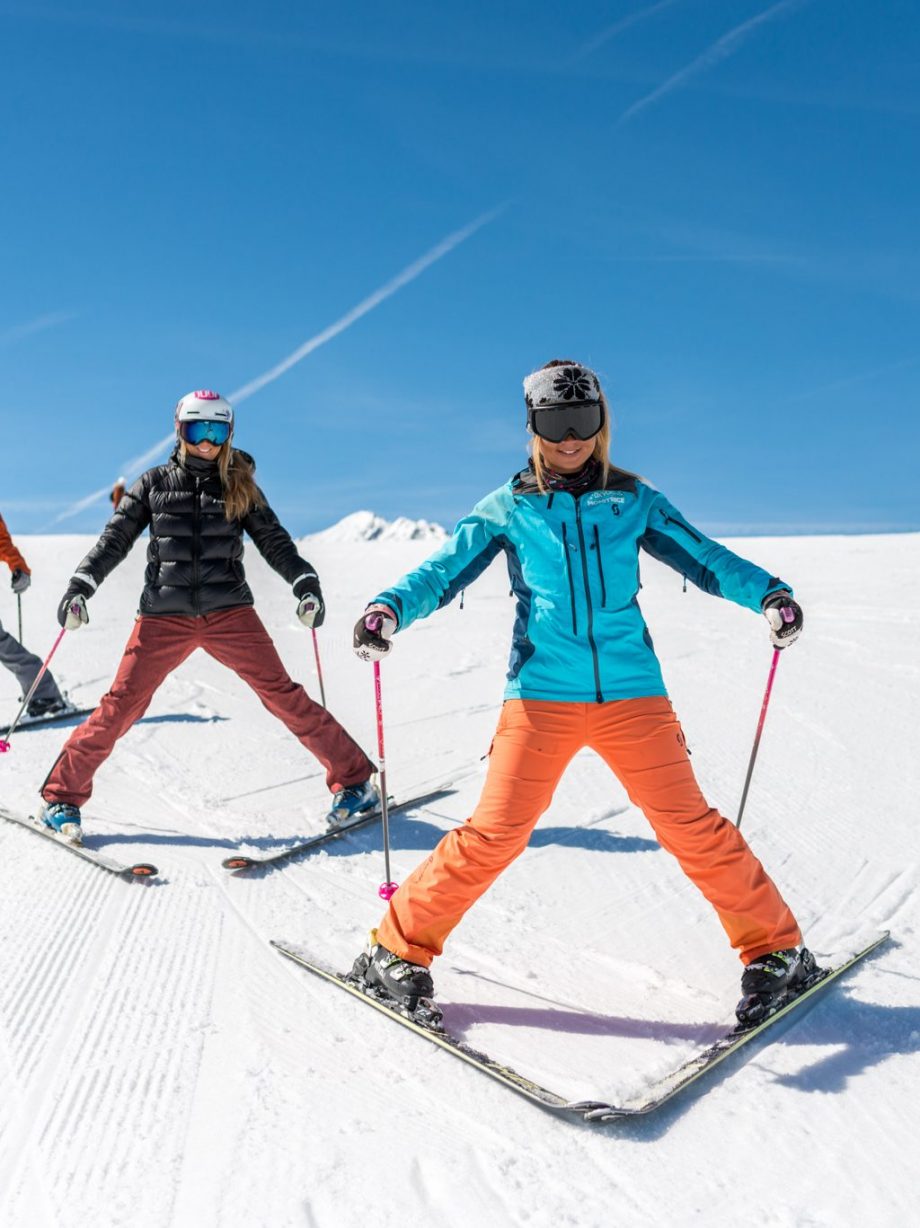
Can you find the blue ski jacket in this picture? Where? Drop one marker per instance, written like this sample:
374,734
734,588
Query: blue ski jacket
579,634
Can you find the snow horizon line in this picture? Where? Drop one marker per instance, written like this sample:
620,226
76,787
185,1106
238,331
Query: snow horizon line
718,529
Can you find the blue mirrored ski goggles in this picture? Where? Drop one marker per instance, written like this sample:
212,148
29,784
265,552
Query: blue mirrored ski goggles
198,431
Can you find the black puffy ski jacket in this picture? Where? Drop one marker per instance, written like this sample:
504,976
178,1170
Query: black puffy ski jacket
195,555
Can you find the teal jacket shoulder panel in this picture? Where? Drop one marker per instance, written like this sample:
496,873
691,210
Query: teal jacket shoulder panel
670,538
475,542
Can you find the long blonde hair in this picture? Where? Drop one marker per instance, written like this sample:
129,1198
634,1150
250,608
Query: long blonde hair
241,494
601,440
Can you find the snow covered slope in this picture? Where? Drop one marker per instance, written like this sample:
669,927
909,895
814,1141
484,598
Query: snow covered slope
161,1065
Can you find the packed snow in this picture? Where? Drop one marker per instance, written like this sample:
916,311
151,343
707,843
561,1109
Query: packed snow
161,1065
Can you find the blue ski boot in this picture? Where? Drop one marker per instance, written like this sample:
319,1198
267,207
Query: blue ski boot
64,819
353,803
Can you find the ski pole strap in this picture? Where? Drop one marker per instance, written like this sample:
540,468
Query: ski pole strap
760,724
5,745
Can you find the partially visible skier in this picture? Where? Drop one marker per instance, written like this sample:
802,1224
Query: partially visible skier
24,665
583,672
197,507
117,493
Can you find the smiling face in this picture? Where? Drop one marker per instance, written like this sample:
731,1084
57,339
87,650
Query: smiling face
204,450
568,456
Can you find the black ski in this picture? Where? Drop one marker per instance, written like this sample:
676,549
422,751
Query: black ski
240,861
39,722
141,869
591,1110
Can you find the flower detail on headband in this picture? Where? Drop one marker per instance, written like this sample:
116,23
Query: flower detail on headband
572,384
568,385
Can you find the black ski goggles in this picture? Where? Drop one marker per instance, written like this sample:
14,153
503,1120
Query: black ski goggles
199,430
583,419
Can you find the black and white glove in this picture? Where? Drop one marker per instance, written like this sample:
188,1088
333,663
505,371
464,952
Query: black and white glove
71,613
785,618
20,580
310,608
373,631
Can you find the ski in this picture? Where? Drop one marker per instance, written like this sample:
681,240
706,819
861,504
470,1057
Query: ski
141,869
39,722
590,1110
726,1045
240,861
437,1035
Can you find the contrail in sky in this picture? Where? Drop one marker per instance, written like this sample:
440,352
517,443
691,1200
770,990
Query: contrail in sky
410,273
720,50
612,31
11,335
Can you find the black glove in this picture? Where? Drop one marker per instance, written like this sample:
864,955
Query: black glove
785,618
373,631
311,609
71,612
20,580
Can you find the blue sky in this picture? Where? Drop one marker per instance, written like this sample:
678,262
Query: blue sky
712,202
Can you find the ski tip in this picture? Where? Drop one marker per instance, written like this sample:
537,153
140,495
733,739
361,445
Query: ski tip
143,870
237,863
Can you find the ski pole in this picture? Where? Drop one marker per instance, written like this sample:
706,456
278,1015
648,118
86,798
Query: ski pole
19,607
763,715
319,668
386,889
5,745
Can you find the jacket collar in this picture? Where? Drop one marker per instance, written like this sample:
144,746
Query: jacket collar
525,482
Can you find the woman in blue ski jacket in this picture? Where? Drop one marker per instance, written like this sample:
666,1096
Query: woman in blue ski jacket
582,672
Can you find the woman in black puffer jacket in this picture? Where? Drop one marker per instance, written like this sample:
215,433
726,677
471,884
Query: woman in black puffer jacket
197,507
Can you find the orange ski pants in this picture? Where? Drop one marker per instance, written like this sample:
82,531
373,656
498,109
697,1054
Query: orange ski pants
642,741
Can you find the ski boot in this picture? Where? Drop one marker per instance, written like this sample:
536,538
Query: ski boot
353,803
770,981
394,981
46,707
64,819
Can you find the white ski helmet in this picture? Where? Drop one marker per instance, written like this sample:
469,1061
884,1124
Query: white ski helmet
204,405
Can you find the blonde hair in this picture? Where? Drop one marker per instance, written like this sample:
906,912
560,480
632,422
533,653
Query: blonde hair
241,494
601,440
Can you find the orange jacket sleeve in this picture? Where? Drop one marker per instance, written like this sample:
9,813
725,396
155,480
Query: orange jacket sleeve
8,552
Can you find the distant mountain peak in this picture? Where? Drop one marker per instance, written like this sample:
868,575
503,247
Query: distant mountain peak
369,527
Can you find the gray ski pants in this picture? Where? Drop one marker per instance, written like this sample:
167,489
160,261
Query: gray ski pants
24,665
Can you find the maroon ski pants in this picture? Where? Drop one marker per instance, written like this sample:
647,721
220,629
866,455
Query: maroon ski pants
155,648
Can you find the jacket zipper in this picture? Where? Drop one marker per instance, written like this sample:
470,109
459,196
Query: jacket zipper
584,568
568,568
196,542
600,565
670,520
